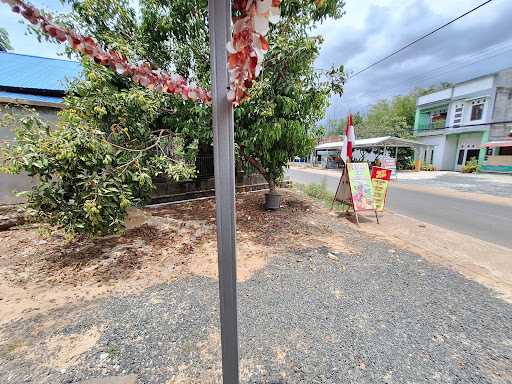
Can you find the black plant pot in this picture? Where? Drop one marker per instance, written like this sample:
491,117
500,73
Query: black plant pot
272,200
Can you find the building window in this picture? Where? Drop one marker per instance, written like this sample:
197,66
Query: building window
460,159
505,151
472,154
438,119
477,112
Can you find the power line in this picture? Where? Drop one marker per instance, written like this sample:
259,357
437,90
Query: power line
488,53
419,39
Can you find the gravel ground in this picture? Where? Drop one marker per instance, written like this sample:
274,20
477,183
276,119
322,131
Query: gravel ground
379,316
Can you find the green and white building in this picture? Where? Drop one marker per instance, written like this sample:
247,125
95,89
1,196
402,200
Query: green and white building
472,119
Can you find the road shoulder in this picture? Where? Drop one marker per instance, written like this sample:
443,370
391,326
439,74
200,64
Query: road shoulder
478,260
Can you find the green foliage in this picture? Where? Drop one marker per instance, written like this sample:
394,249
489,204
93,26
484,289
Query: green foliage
5,44
280,119
393,117
114,137
410,165
427,167
389,117
101,158
319,192
471,166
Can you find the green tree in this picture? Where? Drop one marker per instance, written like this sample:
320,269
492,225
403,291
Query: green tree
108,145
388,117
280,120
393,117
5,44
340,125
114,137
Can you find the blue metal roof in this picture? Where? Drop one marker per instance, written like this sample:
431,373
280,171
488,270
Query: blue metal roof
34,72
24,96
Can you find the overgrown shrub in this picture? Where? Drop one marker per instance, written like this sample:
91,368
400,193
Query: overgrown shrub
471,166
101,157
411,165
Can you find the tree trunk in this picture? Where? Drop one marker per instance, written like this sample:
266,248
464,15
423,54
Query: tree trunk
256,164
271,184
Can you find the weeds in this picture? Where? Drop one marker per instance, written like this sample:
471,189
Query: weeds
113,351
319,192
10,351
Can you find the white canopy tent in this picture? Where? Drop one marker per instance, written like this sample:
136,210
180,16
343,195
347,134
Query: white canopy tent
374,142
387,143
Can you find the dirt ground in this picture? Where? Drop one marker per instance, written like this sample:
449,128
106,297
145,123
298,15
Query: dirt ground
69,309
40,271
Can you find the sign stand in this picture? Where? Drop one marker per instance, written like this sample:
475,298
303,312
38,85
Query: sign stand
345,191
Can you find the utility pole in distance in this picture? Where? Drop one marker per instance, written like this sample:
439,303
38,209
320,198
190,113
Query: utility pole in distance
219,20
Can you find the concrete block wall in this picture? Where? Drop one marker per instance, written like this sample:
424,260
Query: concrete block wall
11,184
502,112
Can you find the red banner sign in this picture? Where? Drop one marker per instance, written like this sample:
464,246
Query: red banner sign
380,182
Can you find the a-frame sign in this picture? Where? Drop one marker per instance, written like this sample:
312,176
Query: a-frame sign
355,189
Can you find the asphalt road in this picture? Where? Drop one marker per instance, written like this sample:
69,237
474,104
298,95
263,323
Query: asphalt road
485,221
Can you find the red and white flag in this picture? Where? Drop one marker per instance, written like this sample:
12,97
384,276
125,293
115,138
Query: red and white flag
348,140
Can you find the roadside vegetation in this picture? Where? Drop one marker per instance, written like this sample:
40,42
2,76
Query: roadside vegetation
320,193
389,117
471,166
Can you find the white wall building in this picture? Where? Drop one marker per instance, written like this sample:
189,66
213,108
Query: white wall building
457,121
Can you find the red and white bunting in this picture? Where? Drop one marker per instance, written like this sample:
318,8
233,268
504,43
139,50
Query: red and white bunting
141,74
249,45
246,51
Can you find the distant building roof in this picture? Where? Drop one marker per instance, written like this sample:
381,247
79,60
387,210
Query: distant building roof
28,99
26,72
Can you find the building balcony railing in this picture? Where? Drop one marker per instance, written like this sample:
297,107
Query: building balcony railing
438,124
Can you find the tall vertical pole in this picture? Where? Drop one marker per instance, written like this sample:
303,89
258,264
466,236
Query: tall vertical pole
219,14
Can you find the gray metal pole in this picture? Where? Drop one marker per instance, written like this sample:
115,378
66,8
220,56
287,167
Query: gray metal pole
219,12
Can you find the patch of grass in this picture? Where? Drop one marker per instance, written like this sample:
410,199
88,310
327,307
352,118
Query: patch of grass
10,350
319,192
113,351
44,231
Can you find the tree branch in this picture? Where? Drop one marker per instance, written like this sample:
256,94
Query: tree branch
256,164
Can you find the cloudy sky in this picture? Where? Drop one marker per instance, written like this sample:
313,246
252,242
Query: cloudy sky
477,44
